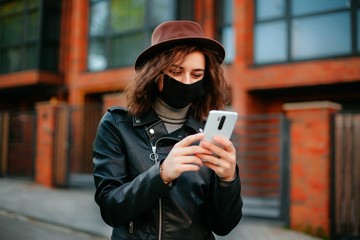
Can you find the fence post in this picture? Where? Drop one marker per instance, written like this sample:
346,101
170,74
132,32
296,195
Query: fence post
45,143
4,139
51,165
310,162
60,157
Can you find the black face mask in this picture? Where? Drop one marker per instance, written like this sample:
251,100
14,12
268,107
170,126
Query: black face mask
178,95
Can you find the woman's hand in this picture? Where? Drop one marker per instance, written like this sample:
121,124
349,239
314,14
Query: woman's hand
183,157
223,158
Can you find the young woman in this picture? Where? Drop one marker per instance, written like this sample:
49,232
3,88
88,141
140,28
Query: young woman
153,179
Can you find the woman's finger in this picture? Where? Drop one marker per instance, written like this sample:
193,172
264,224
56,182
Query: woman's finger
190,140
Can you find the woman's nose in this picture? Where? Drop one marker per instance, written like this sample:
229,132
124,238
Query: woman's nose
187,79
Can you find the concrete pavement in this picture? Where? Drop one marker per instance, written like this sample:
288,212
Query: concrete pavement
75,209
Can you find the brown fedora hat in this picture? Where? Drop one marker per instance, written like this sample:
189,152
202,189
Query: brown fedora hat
171,33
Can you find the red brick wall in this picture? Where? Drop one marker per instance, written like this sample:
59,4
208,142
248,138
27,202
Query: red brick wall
45,144
246,79
310,157
251,87
118,99
248,84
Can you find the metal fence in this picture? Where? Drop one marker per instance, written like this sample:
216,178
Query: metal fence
17,143
75,131
346,177
262,142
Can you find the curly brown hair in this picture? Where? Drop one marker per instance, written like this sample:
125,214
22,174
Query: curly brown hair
143,91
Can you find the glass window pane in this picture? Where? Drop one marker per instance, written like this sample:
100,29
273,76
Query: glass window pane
311,6
228,42
185,9
34,25
226,30
3,61
97,55
20,35
50,37
127,14
125,49
11,7
267,9
320,36
228,11
33,3
49,57
31,56
2,32
98,18
48,29
12,59
160,11
358,30
270,42
12,31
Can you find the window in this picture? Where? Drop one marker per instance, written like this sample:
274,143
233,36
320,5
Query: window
270,42
25,41
120,30
321,36
225,28
294,30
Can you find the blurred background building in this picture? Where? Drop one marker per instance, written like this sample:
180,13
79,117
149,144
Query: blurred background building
294,71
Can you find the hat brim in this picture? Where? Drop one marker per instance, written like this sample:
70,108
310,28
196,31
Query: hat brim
162,46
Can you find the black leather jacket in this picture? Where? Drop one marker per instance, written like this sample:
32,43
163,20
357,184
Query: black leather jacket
135,201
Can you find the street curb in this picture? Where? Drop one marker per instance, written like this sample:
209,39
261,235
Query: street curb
50,224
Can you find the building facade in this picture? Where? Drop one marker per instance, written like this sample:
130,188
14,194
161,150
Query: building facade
297,58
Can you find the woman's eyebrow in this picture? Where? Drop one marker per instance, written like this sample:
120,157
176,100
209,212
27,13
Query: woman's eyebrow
175,66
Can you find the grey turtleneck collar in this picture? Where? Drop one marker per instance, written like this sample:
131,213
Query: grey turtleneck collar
173,118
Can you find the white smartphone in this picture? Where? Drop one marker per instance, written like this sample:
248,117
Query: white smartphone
220,123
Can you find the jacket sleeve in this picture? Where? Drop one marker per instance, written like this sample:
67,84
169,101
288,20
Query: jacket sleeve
226,203
120,198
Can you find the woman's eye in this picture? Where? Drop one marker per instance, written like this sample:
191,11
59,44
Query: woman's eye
175,72
198,75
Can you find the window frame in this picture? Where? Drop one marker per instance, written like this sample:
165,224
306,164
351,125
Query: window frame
288,20
221,26
181,12
25,40
43,41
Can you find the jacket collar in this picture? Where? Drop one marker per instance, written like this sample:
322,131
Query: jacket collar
151,117
194,124
145,119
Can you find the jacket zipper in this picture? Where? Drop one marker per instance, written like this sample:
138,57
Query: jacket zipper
155,158
160,219
131,227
